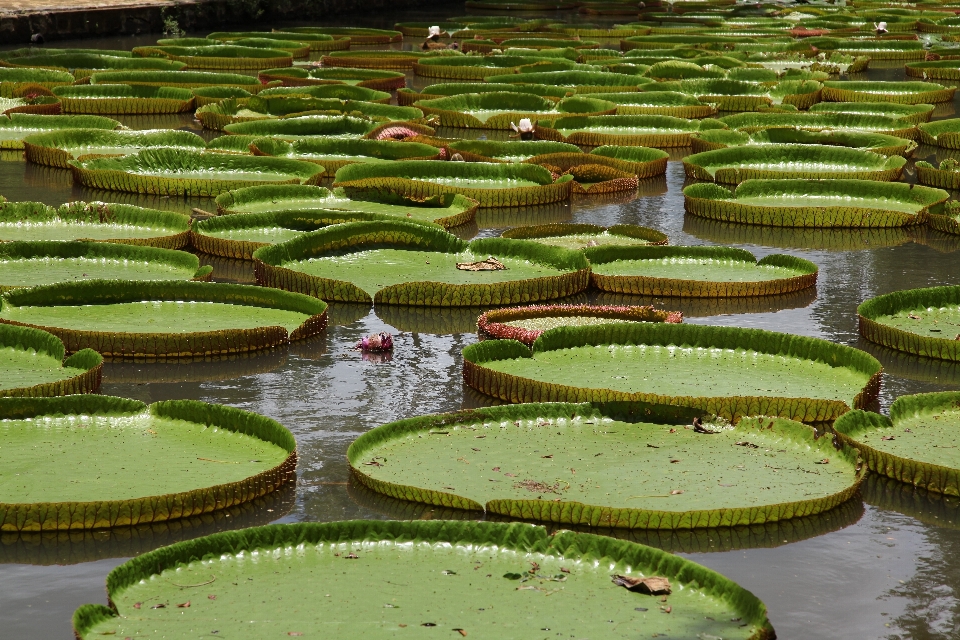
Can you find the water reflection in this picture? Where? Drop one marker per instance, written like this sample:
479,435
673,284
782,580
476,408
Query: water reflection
937,240
500,218
704,307
796,237
194,370
229,269
436,320
911,367
72,547
770,535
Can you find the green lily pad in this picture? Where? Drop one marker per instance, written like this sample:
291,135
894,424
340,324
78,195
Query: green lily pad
876,142
505,151
330,91
805,379
816,203
442,90
916,445
500,110
192,173
13,78
340,557
32,365
317,41
541,461
492,185
644,131
217,116
357,35
27,264
899,92
17,126
112,99
751,122
697,272
416,265
380,58
335,153
448,210
736,164
223,57
164,319
343,127
82,64
941,133
378,79
96,221
238,236
924,322
739,95
182,79
461,68
577,81
58,148
913,113
581,236
657,103
132,463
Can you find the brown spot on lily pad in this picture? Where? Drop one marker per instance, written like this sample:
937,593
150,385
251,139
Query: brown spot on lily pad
652,585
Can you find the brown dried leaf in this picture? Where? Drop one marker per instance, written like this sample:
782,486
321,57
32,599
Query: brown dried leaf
184,605
490,264
652,585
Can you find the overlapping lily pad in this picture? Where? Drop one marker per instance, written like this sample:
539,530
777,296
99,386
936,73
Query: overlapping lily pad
27,264
739,95
446,89
181,79
406,264
728,371
132,464
816,203
111,99
58,148
516,461
179,172
736,164
223,57
333,154
702,601
96,221
378,79
899,92
499,151
941,133
751,122
657,103
526,324
913,113
924,322
578,81
317,41
876,142
448,210
32,365
12,79
596,171
915,445
126,319
17,126
581,236
218,116
697,272
644,131
461,68
492,185
345,127
499,110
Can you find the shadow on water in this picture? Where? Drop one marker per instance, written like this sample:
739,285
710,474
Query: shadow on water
926,506
911,367
73,547
769,535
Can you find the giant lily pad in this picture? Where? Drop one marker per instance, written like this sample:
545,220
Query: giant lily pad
941,133
164,319
526,324
219,115
501,467
873,49
181,79
17,126
460,68
728,371
816,203
500,110
185,458
357,35
751,122
27,264
58,148
111,99
492,185
223,57
12,79
316,41
335,153
945,176
331,91
345,127
448,210
238,236
581,236
578,81
643,131
340,557
913,113
497,150
407,264
378,79
379,59
657,103
588,168
876,142
32,365
924,322
180,172
739,95
736,164
900,92
934,69
82,65
443,90
696,272
96,221
915,445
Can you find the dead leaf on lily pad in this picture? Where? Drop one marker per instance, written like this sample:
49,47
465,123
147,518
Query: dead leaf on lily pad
652,585
490,264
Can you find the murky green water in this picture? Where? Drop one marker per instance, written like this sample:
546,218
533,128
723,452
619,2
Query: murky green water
886,567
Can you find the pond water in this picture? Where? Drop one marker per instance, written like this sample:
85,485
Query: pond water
884,567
